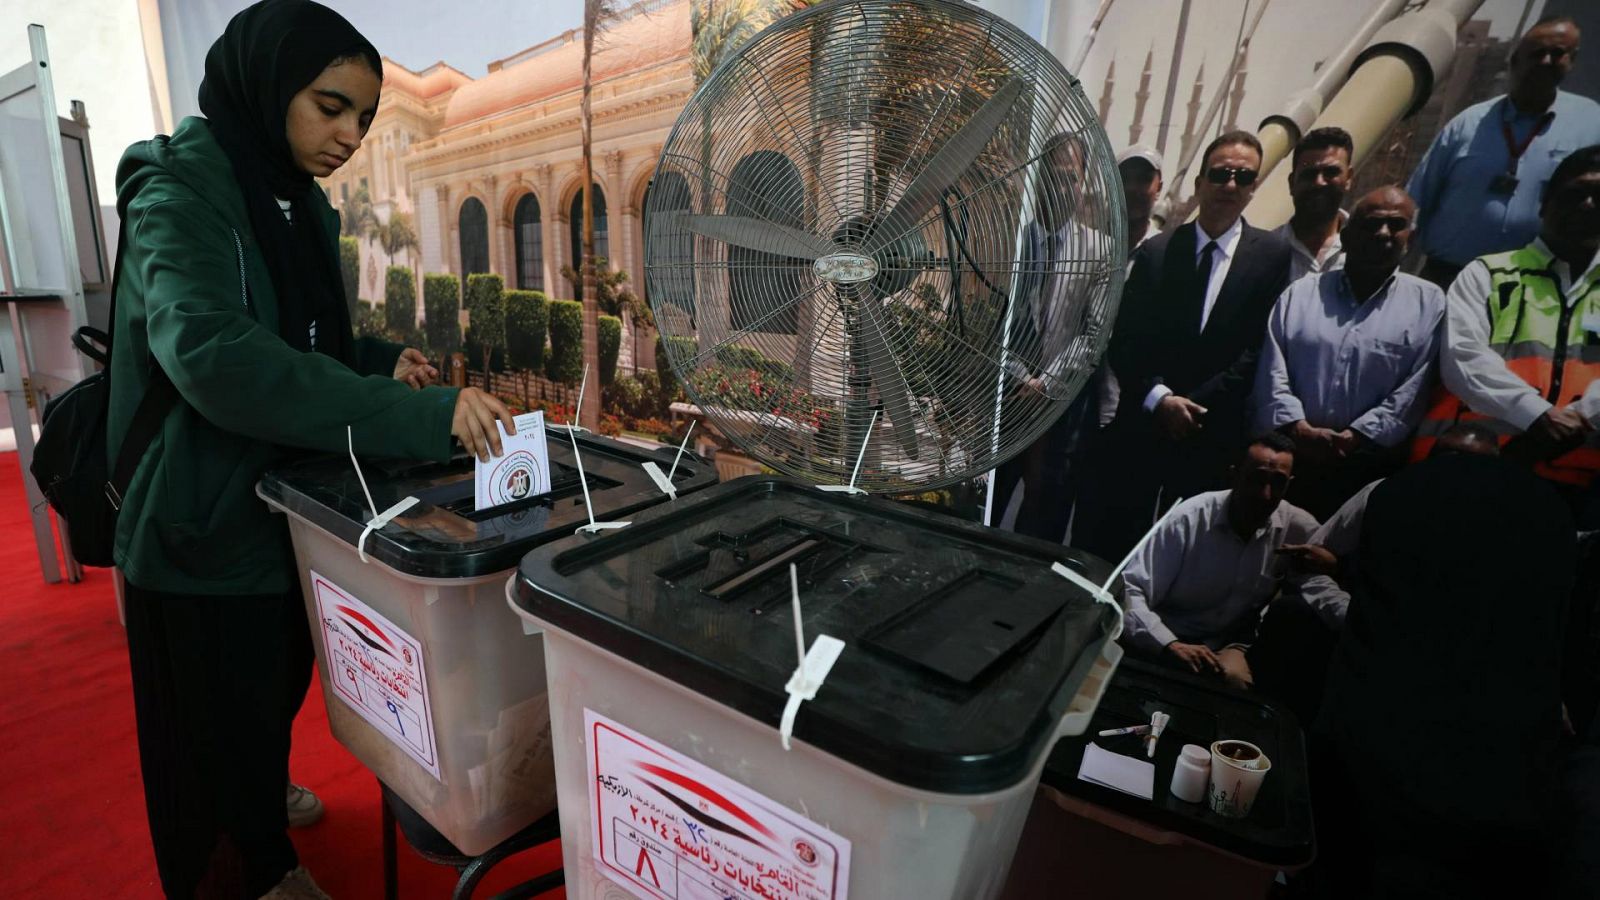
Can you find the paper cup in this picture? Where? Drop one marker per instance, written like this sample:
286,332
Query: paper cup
1237,770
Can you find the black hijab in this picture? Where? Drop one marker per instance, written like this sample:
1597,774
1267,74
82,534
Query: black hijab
268,53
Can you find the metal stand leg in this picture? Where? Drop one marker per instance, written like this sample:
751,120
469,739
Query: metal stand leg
68,561
39,511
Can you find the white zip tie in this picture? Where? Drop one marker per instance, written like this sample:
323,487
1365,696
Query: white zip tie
1102,592
813,668
573,425
378,519
583,481
851,487
664,481
350,441
799,632
681,446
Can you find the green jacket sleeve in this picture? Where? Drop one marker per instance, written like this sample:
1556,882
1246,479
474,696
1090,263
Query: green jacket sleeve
376,356
240,375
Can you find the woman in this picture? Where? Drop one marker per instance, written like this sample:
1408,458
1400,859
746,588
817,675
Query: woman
229,287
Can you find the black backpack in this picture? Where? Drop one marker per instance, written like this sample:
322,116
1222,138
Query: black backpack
70,462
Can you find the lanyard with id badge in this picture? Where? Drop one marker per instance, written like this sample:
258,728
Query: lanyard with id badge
1505,183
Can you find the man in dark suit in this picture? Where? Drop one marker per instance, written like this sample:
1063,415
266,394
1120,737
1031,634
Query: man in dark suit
1193,315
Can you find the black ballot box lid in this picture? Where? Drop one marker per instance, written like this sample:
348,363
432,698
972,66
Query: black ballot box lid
444,535
1278,830
962,650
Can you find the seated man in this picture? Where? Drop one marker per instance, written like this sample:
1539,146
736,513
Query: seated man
1195,589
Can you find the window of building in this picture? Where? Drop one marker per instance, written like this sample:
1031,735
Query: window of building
765,185
602,245
672,249
474,227
530,244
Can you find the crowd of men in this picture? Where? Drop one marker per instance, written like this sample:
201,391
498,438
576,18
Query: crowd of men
1372,495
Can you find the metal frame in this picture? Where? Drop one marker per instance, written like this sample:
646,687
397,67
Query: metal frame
23,393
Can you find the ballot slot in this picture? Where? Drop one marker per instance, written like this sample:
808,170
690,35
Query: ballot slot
456,496
967,627
731,566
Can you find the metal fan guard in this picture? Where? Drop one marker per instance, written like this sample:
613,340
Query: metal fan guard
818,199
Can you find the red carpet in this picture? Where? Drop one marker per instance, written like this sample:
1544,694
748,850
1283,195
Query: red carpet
72,819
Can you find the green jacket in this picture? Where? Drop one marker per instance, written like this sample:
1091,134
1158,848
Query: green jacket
196,296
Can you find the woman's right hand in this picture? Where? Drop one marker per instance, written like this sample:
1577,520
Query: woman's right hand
473,424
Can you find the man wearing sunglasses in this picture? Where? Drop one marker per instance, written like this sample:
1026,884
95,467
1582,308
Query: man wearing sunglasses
1195,590
1349,359
1479,186
1185,348
1319,177
1522,340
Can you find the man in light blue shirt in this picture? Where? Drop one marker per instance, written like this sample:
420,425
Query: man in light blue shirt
1349,357
1478,187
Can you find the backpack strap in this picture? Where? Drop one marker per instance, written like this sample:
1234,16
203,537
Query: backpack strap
159,397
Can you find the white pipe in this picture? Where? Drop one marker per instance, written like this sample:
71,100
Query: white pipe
1088,39
1216,102
1392,79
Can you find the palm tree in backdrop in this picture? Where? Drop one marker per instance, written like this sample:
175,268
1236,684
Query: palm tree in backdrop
595,14
356,218
396,235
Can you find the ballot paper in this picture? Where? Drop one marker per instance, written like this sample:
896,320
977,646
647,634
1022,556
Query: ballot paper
1118,772
521,471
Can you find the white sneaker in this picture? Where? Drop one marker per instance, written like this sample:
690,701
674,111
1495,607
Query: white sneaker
297,885
304,807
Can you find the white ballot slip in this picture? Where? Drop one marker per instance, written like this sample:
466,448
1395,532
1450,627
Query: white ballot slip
1118,772
522,471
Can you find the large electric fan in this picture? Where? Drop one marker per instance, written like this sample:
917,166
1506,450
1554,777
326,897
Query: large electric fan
885,240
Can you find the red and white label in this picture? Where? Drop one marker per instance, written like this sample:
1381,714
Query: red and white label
376,669
668,828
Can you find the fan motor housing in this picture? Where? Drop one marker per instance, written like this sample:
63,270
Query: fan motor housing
845,268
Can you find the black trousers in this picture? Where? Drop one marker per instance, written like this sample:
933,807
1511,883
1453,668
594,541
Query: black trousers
1135,476
217,681
1050,470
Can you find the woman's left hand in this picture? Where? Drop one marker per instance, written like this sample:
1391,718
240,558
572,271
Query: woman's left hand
413,369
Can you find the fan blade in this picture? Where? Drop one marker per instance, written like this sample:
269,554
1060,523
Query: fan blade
891,384
756,234
954,158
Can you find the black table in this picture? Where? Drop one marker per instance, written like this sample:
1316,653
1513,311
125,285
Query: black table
1078,831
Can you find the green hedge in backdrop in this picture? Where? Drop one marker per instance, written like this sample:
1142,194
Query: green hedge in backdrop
610,335
565,363
441,310
486,320
400,302
350,273
527,323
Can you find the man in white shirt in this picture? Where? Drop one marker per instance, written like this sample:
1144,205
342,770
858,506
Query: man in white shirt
1051,343
1522,339
1319,178
1195,590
